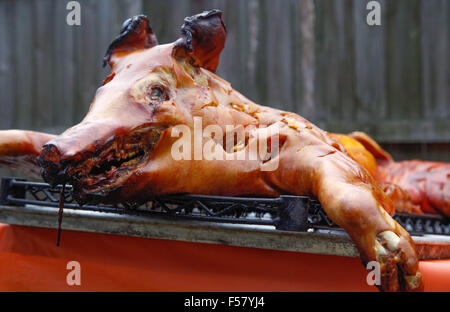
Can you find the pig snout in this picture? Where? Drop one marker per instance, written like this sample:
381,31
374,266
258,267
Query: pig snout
61,156
52,165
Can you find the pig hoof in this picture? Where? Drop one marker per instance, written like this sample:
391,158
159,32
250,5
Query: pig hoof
398,263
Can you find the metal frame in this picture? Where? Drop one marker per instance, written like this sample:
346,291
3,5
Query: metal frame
288,213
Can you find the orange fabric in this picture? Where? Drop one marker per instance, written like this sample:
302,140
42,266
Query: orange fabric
30,261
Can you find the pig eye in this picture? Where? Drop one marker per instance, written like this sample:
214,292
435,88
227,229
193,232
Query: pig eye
158,93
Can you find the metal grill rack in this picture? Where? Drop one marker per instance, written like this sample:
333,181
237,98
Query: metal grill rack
289,213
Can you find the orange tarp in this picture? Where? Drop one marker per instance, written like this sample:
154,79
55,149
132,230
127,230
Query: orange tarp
30,261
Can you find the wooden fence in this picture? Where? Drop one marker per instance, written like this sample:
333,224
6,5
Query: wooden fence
318,58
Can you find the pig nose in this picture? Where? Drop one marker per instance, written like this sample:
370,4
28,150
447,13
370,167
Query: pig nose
52,165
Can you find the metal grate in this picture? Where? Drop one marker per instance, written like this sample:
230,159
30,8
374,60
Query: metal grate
291,213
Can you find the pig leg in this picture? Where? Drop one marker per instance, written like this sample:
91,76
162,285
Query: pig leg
19,149
353,200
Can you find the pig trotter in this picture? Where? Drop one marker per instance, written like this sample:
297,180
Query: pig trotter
398,271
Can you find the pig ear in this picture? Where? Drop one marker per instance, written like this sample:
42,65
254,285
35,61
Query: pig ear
136,33
202,39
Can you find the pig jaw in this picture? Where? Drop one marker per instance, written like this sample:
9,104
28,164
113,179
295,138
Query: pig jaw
101,171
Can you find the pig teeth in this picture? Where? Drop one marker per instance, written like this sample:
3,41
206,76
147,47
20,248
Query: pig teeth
131,162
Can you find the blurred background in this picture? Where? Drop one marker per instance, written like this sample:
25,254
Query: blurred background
318,58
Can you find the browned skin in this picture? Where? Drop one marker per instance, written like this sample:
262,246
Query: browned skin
151,90
426,182
415,186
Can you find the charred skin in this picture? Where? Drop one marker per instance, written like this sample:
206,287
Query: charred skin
122,150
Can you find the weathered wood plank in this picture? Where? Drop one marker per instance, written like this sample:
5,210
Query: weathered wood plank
403,59
105,36
253,47
7,70
164,19
435,58
326,75
230,65
64,68
86,62
370,66
346,59
390,131
303,57
23,83
279,49
43,56
427,151
262,76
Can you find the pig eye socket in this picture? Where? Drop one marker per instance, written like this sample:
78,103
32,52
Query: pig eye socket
158,93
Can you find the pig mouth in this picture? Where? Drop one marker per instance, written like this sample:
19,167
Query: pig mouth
108,168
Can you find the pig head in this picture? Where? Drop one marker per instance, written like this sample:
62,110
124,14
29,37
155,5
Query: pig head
150,89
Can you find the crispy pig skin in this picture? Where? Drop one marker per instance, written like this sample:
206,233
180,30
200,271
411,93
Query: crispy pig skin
426,182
